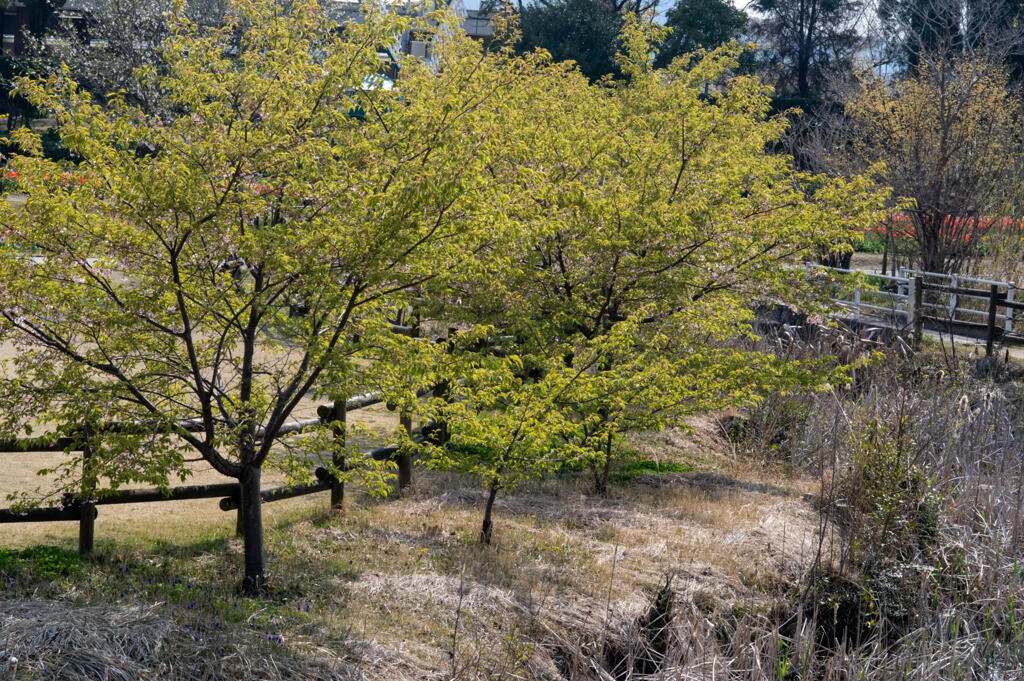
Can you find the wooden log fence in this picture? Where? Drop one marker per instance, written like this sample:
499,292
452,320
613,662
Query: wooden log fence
994,301
83,507
141,496
42,515
278,493
87,517
339,423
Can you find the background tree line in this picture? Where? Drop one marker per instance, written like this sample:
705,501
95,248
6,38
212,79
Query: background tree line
839,69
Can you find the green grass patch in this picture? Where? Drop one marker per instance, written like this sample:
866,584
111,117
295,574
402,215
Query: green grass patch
40,562
635,469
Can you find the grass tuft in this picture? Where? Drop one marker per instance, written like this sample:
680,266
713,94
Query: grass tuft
39,562
635,469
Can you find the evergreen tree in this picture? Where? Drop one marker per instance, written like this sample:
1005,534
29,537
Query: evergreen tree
18,62
805,44
700,24
583,31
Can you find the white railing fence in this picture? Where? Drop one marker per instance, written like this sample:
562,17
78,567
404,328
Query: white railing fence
947,300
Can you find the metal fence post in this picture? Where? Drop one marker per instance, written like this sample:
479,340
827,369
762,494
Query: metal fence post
907,295
954,282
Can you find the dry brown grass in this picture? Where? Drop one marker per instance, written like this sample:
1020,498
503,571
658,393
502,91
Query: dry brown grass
399,589
565,564
405,584
45,639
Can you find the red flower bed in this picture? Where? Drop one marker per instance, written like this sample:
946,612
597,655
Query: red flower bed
901,226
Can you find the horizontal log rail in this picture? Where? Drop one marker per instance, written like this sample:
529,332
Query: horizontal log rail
983,294
44,443
946,311
325,411
962,323
84,510
277,493
403,330
40,515
63,443
139,496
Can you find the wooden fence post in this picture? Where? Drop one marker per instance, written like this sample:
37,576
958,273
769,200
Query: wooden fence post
442,391
990,327
404,459
1011,296
87,519
339,423
918,310
441,435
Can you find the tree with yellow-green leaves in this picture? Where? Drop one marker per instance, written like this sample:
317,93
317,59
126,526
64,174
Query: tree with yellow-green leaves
201,274
155,280
949,138
657,221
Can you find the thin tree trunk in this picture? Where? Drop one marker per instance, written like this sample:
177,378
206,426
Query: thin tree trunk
486,528
602,481
885,253
251,509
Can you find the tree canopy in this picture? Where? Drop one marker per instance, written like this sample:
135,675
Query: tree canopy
949,139
654,218
805,44
583,31
200,274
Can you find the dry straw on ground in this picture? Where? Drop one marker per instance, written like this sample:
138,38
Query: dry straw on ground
61,642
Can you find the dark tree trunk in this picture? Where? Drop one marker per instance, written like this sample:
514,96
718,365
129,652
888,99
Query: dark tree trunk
885,254
840,259
930,239
251,516
803,83
486,528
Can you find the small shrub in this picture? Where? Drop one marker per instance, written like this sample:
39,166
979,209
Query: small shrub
769,432
843,612
891,505
871,243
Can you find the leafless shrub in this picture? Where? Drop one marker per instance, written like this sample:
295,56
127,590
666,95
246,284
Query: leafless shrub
922,481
